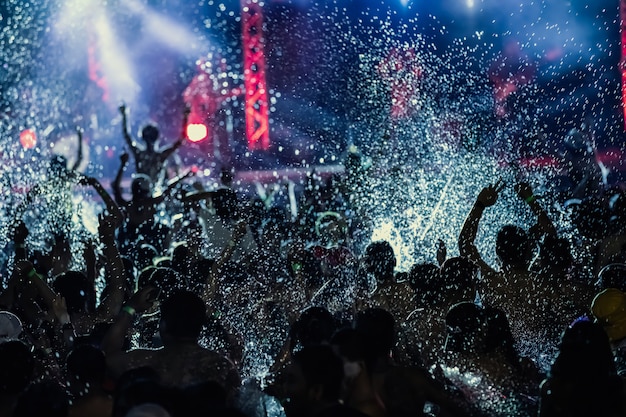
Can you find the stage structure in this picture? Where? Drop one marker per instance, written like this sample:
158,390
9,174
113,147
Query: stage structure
622,27
256,102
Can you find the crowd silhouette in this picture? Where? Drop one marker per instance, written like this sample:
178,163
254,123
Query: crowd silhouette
189,304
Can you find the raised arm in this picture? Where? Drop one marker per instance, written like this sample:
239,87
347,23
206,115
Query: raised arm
115,185
79,156
112,302
127,137
486,198
544,224
111,206
166,153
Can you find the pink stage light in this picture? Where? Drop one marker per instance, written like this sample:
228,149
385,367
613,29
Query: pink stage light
28,138
197,132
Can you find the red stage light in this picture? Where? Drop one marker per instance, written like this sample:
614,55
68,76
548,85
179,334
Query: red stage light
196,132
28,138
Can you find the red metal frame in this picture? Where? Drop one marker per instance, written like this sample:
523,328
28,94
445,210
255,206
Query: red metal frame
622,15
256,104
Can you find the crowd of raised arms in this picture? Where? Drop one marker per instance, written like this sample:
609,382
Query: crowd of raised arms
240,308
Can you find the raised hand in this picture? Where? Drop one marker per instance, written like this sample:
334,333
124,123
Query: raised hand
122,109
524,190
124,157
489,195
143,299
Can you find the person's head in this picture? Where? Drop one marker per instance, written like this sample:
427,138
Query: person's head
378,327
42,399
315,325
167,280
591,217
499,335
313,379
17,366
141,186
612,276
513,247
425,280
86,363
584,353
79,293
58,166
182,316
554,254
226,204
609,310
150,134
10,326
226,176
466,329
139,386
459,278
379,259
144,255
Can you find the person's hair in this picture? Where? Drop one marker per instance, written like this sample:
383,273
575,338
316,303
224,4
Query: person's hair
380,257
17,366
135,391
315,325
591,217
87,363
150,133
458,273
183,314
78,291
612,276
586,366
513,246
321,366
584,353
167,280
466,328
378,327
423,276
141,185
500,336
42,399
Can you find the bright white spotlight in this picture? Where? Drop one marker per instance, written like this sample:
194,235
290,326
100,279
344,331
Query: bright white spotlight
196,132
470,4
405,2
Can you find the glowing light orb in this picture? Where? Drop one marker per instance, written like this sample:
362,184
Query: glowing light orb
196,132
28,138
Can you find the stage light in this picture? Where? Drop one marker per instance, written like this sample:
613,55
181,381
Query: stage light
28,138
196,132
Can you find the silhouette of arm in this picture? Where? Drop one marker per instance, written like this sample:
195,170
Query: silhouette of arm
544,224
129,140
119,360
115,185
486,198
114,267
111,206
79,156
166,153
